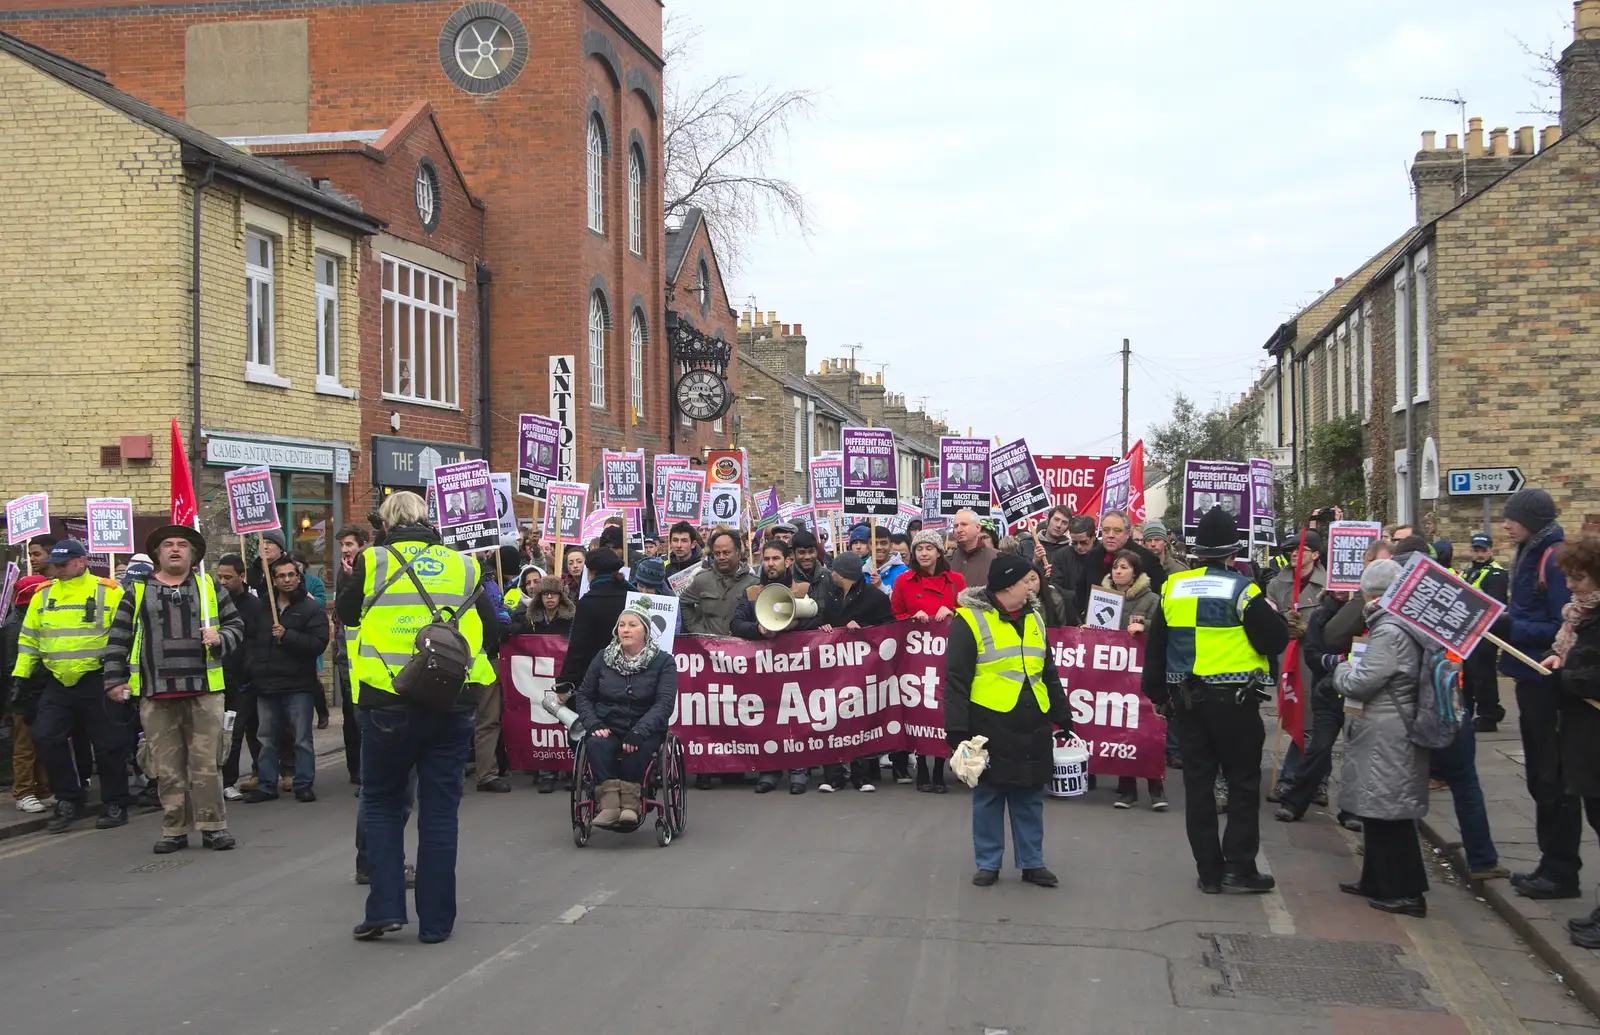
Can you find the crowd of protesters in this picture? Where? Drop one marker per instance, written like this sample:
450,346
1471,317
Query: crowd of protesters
261,631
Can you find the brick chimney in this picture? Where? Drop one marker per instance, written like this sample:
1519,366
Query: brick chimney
1436,172
1580,68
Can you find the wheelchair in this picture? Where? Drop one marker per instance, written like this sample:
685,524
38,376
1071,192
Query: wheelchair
664,793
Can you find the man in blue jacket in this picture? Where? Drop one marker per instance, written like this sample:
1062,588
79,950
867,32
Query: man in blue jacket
1538,593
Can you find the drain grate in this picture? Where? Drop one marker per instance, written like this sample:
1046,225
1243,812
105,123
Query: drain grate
160,866
1312,970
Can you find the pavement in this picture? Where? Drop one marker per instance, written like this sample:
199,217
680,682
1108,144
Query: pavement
772,914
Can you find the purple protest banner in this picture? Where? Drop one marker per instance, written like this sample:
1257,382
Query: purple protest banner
963,474
871,475
538,454
1216,483
467,516
1263,511
1018,485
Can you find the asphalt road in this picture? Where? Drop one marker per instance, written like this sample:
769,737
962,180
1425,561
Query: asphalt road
807,915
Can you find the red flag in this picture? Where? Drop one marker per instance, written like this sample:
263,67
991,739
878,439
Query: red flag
185,509
1291,688
1136,515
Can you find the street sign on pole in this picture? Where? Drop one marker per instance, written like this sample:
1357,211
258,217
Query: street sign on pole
1484,481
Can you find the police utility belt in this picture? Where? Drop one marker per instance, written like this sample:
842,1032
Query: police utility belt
1194,690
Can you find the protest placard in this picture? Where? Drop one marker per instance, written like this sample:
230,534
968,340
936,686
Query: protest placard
724,503
663,610
662,465
1105,609
683,499
1434,601
467,518
538,454
252,506
1115,487
963,480
101,562
621,479
1263,510
505,512
871,475
1017,483
565,506
1348,542
26,517
827,483
8,588
110,524
1216,483
679,581
815,698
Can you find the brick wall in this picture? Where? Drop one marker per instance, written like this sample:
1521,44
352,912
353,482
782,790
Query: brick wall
93,293
717,319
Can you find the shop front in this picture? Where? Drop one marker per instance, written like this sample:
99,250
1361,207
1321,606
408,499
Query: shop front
310,479
408,463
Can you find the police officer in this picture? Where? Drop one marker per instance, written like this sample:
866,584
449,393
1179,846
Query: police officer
1479,682
1207,669
65,631
385,604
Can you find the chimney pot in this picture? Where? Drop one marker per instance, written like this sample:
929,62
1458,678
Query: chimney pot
1474,138
1586,20
785,330
1524,144
772,318
1549,135
1451,141
797,332
1337,281
1500,142
1428,138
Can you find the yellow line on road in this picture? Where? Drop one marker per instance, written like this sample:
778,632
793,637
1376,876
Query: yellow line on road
1467,991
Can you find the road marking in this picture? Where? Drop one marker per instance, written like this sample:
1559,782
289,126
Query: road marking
1279,921
45,839
1467,991
479,973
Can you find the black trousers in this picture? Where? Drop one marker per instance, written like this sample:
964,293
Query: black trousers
352,737
1480,685
1391,860
245,722
1557,815
1316,761
1219,734
109,724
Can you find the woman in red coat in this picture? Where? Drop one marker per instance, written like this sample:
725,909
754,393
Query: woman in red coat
927,592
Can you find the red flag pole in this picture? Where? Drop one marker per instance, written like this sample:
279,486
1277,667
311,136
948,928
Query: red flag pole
1291,666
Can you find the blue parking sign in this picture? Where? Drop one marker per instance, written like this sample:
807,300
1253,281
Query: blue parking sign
1460,481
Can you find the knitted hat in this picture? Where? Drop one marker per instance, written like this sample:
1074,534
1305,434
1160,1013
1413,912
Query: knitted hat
932,538
639,611
611,535
602,561
1155,530
1006,570
651,572
27,586
860,534
848,566
1531,508
1378,577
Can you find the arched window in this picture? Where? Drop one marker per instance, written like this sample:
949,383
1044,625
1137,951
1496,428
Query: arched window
635,201
636,338
597,154
702,293
597,350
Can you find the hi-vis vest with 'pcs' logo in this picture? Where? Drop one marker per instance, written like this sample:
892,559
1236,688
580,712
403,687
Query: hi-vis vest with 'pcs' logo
387,636
1204,611
1006,660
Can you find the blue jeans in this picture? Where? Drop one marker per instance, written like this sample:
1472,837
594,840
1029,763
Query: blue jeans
272,711
1457,765
394,741
406,806
989,805
610,762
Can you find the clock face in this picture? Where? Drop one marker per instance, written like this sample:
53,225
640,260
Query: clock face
703,395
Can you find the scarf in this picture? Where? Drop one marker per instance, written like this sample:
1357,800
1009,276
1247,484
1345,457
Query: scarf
627,666
1572,614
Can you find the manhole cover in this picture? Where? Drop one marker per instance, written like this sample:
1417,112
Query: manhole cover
1311,970
160,865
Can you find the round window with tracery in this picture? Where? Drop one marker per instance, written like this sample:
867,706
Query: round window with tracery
483,47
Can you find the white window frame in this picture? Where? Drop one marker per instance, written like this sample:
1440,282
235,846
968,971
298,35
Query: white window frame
1402,340
1354,343
258,281
596,175
1420,346
702,292
1366,363
635,202
597,351
636,363
328,327
423,392
1328,373
1342,338
799,408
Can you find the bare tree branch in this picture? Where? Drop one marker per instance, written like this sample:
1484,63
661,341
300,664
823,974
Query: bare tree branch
720,145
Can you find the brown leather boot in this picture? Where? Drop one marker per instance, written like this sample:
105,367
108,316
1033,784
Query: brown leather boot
607,797
630,804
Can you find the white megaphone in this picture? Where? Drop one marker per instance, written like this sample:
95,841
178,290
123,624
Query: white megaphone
777,608
568,718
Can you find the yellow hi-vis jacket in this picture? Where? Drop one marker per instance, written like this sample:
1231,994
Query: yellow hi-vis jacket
1006,660
387,636
1204,611
66,626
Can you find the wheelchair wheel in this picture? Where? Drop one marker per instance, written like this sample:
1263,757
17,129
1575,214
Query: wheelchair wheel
582,795
663,832
675,790
580,835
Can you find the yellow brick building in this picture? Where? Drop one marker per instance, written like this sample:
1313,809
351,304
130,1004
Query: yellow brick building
97,309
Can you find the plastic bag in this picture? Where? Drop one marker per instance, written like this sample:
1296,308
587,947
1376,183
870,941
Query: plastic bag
969,760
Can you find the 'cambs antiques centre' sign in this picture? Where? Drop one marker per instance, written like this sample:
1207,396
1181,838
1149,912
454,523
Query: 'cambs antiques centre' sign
408,462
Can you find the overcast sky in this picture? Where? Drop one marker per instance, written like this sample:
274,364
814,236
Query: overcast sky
1003,191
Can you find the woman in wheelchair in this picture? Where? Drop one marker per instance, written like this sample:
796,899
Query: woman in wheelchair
625,702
